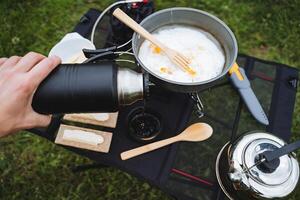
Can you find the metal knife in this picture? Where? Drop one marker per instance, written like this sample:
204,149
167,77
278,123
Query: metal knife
242,83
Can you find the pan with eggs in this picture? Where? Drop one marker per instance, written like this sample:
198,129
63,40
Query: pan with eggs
205,40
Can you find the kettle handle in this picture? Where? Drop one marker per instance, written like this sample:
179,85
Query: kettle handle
271,155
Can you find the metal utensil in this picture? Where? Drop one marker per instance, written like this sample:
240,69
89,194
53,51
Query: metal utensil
195,133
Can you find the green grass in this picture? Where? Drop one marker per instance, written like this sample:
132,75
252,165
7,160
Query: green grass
32,168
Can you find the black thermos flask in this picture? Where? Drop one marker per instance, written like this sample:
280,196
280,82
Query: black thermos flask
91,87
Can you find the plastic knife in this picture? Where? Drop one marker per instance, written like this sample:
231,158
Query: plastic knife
242,83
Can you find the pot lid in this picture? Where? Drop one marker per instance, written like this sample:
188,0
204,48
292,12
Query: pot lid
270,180
276,175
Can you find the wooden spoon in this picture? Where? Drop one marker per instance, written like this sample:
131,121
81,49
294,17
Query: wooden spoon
177,58
195,133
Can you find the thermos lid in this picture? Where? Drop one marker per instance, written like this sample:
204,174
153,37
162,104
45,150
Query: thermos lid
265,180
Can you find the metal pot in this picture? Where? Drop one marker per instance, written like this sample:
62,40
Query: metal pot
241,176
191,17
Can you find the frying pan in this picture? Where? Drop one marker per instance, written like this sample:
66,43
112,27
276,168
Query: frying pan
221,32
195,18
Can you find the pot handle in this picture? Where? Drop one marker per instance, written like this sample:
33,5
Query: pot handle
93,52
108,55
271,155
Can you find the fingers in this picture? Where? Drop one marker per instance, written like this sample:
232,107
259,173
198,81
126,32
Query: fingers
10,62
2,60
39,72
26,63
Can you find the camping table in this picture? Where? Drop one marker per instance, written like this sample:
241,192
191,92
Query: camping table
186,170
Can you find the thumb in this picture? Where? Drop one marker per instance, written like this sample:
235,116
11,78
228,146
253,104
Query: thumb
39,120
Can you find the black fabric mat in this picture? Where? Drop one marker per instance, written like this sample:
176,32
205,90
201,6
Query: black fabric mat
275,86
273,83
172,108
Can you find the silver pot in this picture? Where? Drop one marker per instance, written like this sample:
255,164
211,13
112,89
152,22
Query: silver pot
241,177
196,18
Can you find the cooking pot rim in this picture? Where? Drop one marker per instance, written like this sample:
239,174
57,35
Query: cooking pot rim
218,175
135,37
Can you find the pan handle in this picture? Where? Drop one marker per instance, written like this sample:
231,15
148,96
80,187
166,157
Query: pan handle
92,52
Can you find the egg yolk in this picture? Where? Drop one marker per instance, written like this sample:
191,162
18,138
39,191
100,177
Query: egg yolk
165,70
155,49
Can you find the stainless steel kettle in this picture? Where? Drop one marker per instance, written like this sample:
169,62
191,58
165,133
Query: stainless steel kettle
243,173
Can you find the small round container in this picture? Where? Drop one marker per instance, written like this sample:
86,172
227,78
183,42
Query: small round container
195,18
143,126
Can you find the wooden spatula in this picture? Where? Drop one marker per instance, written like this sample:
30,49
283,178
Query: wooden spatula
195,133
177,58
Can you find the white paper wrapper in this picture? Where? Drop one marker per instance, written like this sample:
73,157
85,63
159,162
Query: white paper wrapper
70,46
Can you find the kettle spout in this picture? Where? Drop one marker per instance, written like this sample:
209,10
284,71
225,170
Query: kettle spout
235,176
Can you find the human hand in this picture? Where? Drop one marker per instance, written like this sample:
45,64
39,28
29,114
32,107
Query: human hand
19,78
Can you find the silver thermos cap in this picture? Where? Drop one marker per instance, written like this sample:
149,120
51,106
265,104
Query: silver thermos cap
130,86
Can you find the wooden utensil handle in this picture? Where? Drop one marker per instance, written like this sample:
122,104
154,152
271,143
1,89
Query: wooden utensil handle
123,17
147,148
